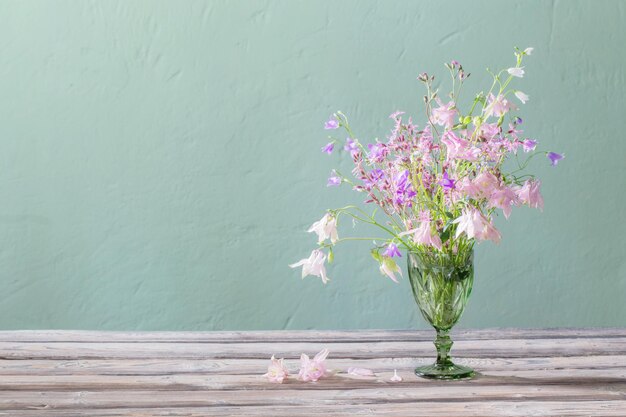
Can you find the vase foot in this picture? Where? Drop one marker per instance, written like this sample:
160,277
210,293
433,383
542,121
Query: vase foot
444,371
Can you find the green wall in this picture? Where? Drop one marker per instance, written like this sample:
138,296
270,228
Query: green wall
159,160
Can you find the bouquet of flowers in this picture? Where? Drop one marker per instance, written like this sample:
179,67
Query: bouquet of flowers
437,186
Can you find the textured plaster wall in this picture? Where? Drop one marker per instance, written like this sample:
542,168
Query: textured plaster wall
159,160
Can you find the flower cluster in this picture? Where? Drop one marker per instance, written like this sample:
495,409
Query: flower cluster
437,186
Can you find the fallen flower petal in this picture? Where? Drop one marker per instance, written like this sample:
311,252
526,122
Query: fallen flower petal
361,372
395,377
276,371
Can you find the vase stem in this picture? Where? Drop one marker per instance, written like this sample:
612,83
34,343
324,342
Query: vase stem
443,343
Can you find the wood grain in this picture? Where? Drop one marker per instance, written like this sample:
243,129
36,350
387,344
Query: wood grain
556,372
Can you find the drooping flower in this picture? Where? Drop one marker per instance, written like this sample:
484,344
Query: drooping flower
529,194
329,148
474,224
516,71
522,96
334,180
518,120
445,114
529,145
554,158
276,371
528,51
313,369
325,228
503,198
351,146
455,146
331,124
498,106
313,265
484,184
392,251
389,267
424,235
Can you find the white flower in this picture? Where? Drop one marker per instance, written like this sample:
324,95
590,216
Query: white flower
313,265
389,267
521,96
528,51
516,72
325,228
395,377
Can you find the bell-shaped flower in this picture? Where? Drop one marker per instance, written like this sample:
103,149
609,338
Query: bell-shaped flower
529,194
276,371
313,369
554,158
503,198
516,71
475,225
484,185
424,235
445,114
498,106
522,96
313,265
392,251
389,267
325,228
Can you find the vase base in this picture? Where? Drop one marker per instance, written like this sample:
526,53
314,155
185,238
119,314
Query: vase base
445,371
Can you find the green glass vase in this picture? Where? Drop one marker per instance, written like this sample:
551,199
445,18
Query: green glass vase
441,285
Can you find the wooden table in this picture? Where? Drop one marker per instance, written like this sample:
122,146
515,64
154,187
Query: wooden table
522,373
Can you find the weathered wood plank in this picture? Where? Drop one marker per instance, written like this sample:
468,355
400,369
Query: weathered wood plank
247,382
415,409
255,366
294,397
78,336
504,348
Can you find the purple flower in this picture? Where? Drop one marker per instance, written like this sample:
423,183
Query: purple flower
377,152
351,146
331,124
375,175
529,145
404,191
518,120
329,148
554,158
447,183
333,180
392,250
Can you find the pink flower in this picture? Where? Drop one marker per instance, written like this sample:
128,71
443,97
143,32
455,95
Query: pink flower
475,225
424,235
504,198
483,185
389,267
276,371
314,265
498,106
455,146
325,228
529,194
444,115
312,370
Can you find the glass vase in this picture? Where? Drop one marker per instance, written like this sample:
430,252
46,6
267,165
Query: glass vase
442,284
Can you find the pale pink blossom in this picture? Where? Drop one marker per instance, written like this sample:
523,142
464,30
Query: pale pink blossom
445,114
498,106
424,235
484,184
529,194
313,369
475,225
455,146
395,377
361,372
313,265
504,198
522,96
516,71
325,228
276,371
389,267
